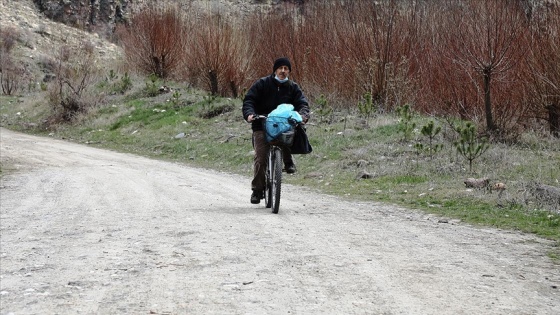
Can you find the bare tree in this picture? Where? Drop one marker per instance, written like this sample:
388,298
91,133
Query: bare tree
11,72
353,48
489,38
216,56
544,65
71,93
11,75
153,41
271,36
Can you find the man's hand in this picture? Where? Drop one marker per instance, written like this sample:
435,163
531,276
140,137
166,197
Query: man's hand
250,118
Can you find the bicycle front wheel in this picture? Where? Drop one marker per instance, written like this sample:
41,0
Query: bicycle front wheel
276,170
269,174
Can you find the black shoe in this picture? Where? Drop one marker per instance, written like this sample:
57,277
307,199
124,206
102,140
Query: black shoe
290,168
256,197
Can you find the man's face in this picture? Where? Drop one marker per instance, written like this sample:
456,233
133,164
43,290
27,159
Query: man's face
282,72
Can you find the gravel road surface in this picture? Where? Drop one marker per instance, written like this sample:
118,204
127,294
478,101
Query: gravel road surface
91,231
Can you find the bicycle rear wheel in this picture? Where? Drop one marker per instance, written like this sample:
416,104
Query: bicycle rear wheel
276,171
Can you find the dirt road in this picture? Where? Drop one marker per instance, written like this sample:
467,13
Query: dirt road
90,231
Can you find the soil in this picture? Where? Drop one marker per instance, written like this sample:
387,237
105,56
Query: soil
90,231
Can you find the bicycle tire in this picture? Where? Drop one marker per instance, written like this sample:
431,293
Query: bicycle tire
268,180
276,179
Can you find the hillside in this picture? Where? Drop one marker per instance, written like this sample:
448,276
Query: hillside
40,38
102,15
41,27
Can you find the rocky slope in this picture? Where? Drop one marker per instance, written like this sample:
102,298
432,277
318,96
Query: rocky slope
38,38
90,10
91,15
102,16
40,27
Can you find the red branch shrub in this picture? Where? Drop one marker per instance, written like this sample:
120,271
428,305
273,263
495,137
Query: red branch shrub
543,71
494,62
154,41
216,56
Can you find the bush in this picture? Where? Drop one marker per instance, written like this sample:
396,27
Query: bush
217,56
154,40
116,84
71,92
11,73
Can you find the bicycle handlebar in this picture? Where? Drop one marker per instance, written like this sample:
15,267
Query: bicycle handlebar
258,117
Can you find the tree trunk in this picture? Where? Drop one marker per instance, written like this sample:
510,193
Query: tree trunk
213,76
554,119
487,72
233,88
157,66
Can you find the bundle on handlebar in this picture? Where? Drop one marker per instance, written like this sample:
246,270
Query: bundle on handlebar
278,130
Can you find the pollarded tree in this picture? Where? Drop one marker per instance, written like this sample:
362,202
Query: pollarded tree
216,55
378,41
270,37
441,88
487,39
153,41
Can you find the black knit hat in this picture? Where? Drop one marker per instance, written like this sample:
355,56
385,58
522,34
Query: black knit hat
282,62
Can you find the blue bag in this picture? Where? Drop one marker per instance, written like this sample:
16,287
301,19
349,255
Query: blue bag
281,120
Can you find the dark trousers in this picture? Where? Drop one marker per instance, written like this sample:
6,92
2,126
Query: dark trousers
260,159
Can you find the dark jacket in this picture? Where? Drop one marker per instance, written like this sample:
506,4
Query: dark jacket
267,93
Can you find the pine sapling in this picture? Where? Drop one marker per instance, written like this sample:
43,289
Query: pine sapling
366,107
325,111
125,83
469,145
176,99
406,125
430,131
152,88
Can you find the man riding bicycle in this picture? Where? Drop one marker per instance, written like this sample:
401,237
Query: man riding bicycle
261,99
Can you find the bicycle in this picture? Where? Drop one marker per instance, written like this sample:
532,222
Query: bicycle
273,173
